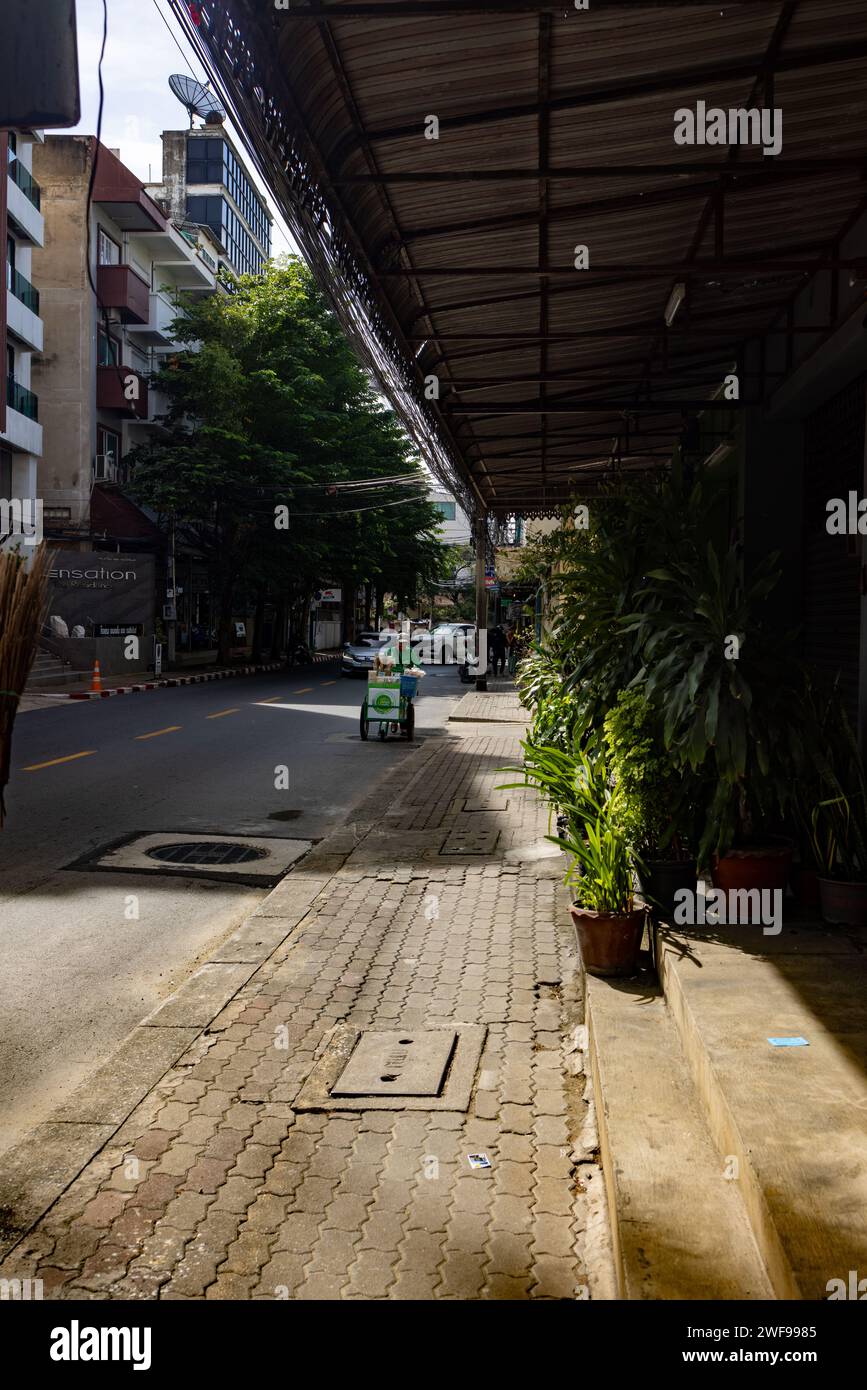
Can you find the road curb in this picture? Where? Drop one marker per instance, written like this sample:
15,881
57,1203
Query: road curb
171,682
37,1170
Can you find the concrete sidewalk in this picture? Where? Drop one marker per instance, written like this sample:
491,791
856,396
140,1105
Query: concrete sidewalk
439,906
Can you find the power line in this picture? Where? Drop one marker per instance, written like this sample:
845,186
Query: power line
175,40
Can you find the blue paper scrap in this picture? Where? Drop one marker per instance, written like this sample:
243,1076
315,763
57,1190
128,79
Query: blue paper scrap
788,1042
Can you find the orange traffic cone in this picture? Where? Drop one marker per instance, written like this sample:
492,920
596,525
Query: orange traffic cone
96,678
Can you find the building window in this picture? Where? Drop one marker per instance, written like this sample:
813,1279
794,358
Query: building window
107,454
204,159
12,146
446,510
5,474
108,349
107,249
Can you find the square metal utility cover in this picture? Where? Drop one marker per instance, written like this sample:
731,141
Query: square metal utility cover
355,1070
250,859
397,1064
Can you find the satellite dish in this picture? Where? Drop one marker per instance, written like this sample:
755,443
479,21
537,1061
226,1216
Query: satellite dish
197,99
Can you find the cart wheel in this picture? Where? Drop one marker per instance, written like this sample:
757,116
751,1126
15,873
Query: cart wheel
364,722
410,720
383,730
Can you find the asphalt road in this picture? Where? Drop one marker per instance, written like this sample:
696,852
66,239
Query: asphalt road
76,975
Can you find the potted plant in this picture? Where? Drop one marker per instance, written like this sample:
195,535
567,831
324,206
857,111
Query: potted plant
658,800
728,689
608,923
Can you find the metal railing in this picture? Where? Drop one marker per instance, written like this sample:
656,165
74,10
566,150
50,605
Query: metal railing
22,289
20,399
26,182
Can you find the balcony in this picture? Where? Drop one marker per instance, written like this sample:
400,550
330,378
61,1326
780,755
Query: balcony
157,331
23,200
22,310
23,290
120,388
24,180
23,431
20,399
121,289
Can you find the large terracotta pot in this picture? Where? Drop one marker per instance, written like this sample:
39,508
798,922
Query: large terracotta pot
609,942
660,879
764,864
843,902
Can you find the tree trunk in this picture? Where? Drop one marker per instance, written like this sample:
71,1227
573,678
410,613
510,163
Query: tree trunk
278,637
225,630
367,599
258,624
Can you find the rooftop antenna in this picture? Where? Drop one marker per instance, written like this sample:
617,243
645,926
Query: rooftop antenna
197,99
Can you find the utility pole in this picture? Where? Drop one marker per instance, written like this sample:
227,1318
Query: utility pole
173,622
481,603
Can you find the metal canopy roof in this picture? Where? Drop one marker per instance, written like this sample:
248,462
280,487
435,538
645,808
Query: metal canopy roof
454,258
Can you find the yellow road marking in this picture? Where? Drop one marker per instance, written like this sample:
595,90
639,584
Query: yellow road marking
222,712
270,700
172,729
306,691
70,758
329,682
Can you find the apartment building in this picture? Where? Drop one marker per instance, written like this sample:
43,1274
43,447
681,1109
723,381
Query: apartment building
205,183
109,274
21,332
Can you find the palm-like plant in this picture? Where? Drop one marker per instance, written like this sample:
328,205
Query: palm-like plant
728,688
578,784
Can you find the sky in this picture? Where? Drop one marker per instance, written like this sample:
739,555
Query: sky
140,55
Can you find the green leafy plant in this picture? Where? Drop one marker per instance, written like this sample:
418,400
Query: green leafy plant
555,707
837,825
728,688
659,800
578,784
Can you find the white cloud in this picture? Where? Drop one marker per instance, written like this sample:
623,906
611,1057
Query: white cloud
140,55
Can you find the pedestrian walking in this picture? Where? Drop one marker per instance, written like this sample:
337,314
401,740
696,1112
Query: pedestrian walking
497,648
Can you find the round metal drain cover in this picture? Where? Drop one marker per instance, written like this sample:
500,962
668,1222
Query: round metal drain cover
206,852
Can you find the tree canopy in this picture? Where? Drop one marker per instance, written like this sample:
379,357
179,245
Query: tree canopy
279,461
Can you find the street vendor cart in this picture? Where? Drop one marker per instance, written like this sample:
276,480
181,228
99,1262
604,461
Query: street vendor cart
389,704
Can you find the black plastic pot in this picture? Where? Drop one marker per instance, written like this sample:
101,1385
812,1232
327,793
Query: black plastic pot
843,902
660,879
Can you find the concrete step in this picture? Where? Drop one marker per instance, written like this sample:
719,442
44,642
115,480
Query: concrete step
794,1118
48,670
680,1228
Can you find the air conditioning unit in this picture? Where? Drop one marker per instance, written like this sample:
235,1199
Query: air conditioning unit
104,468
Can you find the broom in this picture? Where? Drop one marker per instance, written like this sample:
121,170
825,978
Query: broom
23,596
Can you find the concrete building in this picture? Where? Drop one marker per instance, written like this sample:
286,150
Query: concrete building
110,273
455,529
206,183
103,345
21,329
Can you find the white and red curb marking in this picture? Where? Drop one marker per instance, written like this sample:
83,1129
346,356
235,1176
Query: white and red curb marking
172,681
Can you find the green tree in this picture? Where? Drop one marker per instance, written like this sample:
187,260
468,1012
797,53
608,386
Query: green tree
271,420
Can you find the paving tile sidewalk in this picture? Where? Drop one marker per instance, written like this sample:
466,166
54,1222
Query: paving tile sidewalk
440,909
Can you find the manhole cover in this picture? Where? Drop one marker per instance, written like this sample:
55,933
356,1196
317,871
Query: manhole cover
397,1064
257,858
206,852
423,1069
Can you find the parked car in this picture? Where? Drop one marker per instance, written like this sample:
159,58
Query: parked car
357,656
447,642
